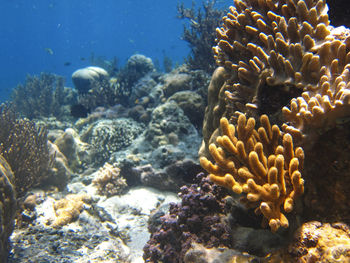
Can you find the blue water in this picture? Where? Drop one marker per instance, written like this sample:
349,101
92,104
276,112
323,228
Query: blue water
44,35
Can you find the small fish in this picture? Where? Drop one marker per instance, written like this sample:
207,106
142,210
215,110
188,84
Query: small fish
79,111
195,23
49,50
82,59
67,63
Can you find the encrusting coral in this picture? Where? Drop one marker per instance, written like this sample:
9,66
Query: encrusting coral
254,162
68,209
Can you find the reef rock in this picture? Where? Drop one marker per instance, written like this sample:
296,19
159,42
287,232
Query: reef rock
192,104
168,121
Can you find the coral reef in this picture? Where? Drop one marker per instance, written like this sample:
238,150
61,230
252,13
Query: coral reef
215,109
70,145
199,34
24,146
198,254
184,79
95,88
170,176
59,172
43,96
283,51
86,79
137,67
8,205
254,162
108,181
198,218
192,104
316,242
68,209
108,136
168,118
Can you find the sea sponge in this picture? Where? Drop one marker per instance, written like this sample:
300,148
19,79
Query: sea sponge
68,209
108,180
254,162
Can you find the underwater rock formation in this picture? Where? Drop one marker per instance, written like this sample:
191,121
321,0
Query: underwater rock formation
192,104
169,125
137,67
59,171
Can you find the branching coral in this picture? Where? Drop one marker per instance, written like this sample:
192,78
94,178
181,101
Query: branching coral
42,96
279,50
252,161
199,35
24,146
108,180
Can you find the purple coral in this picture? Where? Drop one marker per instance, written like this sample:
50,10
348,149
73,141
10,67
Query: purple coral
198,218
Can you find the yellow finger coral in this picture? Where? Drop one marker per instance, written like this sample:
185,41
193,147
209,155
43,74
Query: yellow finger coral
254,162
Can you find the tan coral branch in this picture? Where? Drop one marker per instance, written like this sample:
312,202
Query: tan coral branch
263,164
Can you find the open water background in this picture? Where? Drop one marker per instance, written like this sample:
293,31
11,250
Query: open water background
59,36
